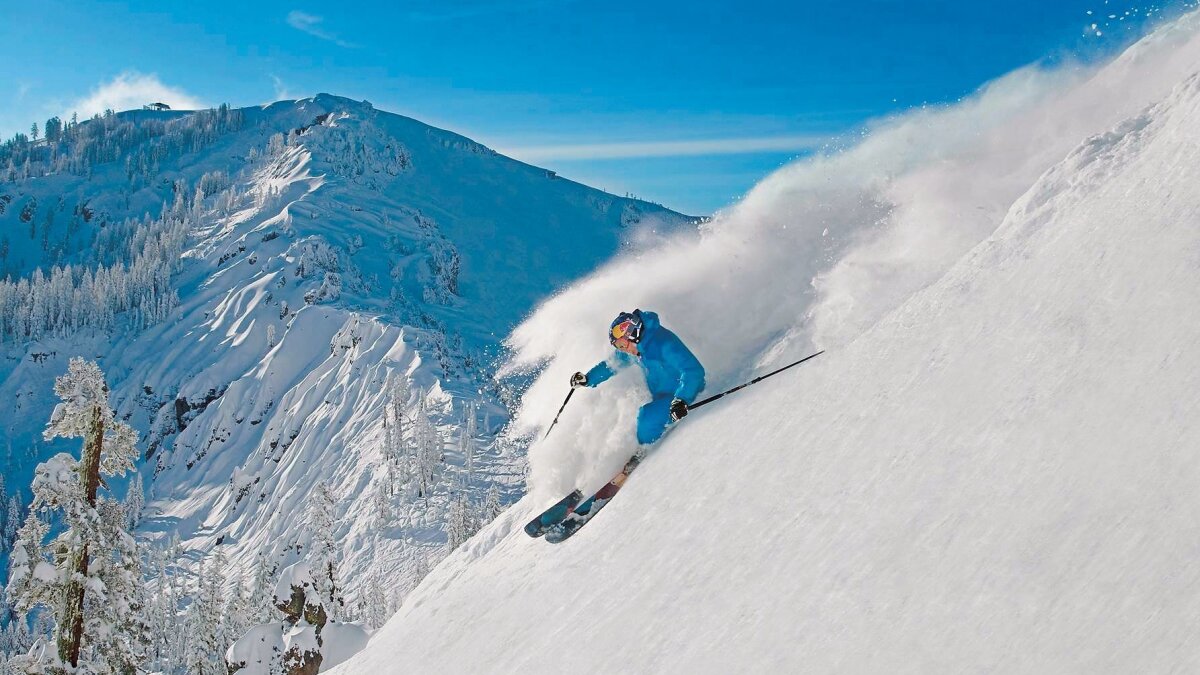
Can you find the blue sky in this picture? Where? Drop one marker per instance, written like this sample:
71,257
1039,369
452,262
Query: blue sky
685,103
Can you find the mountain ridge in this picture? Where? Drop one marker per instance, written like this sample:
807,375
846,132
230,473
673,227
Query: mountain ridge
331,251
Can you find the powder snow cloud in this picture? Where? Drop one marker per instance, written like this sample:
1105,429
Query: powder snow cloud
825,247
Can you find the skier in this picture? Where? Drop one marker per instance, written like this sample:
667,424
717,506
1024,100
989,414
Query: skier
673,374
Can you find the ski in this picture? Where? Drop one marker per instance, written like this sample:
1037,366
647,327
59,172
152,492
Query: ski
551,516
578,516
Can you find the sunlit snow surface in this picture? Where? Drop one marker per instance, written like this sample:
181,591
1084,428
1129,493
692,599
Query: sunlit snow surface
992,469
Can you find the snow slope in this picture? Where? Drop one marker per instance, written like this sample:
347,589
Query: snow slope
343,249
992,469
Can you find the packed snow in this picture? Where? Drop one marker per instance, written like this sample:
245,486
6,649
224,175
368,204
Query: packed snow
991,469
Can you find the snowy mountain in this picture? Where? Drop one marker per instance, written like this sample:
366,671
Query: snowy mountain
258,285
992,468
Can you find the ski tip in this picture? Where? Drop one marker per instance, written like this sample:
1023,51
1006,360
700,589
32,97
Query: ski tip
534,528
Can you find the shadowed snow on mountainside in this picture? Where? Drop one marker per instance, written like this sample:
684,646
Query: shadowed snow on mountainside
992,468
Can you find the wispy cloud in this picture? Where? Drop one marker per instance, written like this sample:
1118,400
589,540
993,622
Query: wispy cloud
281,90
22,90
132,90
311,24
688,148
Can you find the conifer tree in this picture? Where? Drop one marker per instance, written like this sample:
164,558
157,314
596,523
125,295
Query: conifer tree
419,567
135,501
6,541
89,576
322,516
491,505
12,520
428,447
240,614
206,619
460,523
467,444
396,428
383,506
378,608
262,590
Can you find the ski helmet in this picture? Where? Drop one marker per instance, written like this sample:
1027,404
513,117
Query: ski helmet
627,326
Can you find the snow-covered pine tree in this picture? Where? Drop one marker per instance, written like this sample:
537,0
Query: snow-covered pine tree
135,501
491,505
419,568
428,447
377,607
169,637
239,613
456,524
390,460
391,480
206,619
12,520
160,612
396,434
6,541
383,506
15,639
89,575
460,523
467,442
262,590
322,519
123,643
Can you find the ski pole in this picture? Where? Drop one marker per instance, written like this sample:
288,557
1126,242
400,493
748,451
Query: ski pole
564,405
756,380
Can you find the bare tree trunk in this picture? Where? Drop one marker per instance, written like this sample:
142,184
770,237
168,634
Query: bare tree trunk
70,633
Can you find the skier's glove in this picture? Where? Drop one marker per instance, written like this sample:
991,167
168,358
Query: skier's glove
578,380
679,410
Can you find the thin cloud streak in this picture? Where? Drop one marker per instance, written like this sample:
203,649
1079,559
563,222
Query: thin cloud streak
311,24
693,148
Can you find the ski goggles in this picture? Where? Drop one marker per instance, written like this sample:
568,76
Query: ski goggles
626,331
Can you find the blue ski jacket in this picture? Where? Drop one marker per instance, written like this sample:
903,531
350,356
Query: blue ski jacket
670,368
